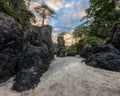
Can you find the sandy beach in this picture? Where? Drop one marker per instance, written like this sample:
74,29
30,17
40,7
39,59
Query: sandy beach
70,77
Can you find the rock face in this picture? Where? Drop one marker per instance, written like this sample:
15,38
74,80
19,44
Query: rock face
26,56
61,46
11,46
46,35
33,63
31,36
41,37
116,38
8,22
35,59
106,56
85,52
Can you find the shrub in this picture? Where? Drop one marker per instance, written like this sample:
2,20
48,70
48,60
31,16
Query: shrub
93,41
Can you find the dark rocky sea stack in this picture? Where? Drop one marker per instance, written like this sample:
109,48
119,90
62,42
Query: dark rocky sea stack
26,55
46,35
106,56
41,37
35,59
61,46
11,46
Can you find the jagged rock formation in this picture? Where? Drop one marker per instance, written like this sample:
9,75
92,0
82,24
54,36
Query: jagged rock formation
11,46
26,56
61,46
35,59
33,63
46,35
41,36
106,56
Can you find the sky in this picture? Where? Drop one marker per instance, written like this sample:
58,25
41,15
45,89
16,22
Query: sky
68,14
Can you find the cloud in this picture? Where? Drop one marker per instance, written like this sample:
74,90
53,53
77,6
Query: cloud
68,5
33,5
55,4
56,29
80,14
78,10
68,13
54,37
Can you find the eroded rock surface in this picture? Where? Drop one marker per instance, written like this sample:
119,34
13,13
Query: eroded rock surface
33,63
27,56
106,57
11,46
35,59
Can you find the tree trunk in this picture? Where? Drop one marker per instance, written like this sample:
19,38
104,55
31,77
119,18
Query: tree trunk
43,20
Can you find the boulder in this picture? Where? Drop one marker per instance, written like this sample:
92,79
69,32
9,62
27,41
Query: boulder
85,52
26,79
11,46
105,57
33,56
33,63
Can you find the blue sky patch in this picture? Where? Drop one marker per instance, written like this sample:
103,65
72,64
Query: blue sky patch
68,13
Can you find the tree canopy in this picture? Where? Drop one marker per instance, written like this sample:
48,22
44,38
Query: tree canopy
18,10
101,17
45,12
102,14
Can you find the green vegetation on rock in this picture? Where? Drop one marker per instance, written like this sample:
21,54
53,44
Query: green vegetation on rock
18,10
102,16
46,26
93,41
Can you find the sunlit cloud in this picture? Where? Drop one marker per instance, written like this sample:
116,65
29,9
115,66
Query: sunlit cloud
55,4
68,5
33,5
68,13
56,29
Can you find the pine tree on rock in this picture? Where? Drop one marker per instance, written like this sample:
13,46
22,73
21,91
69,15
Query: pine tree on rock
45,12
